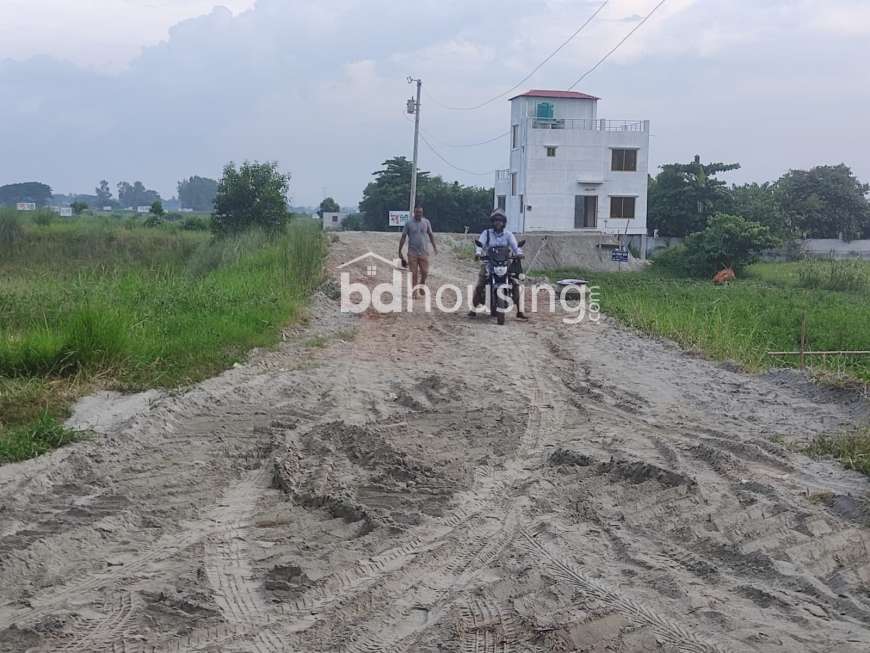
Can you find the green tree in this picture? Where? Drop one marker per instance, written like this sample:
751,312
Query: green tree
157,208
78,207
328,205
728,241
133,195
31,191
825,202
760,203
197,193
450,206
684,196
254,195
104,194
353,222
388,192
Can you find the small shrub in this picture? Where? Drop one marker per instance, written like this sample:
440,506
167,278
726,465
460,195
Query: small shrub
193,223
728,241
673,260
153,221
254,195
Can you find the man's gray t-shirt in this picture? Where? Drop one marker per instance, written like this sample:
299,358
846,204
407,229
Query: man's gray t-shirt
418,236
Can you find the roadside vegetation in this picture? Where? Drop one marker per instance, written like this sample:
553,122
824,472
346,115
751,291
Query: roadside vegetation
851,450
97,302
760,312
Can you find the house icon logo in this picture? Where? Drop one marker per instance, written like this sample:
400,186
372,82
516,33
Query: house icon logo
371,261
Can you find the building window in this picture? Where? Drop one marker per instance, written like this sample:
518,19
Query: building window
515,136
335,218
622,208
502,202
551,151
522,203
544,111
624,161
513,184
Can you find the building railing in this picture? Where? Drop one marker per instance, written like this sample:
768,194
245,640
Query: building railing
591,125
503,175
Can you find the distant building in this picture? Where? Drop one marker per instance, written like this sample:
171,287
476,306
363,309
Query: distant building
143,209
63,211
26,206
570,170
333,221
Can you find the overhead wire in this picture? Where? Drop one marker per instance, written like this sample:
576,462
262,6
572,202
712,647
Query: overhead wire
444,159
527,77
452,165
618,45
595,67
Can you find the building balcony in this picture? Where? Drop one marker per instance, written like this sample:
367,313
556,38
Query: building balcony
638,126
503,175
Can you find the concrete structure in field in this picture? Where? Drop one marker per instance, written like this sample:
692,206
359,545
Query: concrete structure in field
25,206
570,170
333,221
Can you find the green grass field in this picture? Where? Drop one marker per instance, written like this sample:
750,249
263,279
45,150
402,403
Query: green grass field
743,321
100,302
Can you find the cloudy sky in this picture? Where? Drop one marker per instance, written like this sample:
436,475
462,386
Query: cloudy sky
158,90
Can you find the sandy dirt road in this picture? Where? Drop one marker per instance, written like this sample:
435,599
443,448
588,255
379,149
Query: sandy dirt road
430,483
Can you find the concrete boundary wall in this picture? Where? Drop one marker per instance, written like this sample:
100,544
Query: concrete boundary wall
811,247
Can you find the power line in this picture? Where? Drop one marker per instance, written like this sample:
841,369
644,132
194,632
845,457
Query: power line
527,77
444,160
486,142
456,167
617,46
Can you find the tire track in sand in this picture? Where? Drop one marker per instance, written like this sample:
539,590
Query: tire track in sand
228,566
668,631
393,628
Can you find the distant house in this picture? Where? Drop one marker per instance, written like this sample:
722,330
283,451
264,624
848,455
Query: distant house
63,211
143,209
333,221
26,206
570,170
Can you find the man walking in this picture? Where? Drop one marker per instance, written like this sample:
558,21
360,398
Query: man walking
418,233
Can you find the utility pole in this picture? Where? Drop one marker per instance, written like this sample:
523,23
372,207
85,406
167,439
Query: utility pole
414,107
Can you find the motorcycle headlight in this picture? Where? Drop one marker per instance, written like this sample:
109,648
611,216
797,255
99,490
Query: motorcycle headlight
500,270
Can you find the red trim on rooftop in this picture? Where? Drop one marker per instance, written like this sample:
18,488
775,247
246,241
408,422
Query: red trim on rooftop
560,95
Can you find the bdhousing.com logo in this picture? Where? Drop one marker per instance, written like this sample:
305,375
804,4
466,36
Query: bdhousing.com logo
575,301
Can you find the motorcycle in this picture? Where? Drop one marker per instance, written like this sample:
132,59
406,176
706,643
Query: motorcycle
503,275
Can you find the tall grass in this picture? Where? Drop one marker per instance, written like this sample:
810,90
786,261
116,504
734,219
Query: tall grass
834,274
741,322
135,308
42,435
10,230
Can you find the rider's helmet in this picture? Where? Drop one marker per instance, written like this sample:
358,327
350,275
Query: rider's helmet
498,219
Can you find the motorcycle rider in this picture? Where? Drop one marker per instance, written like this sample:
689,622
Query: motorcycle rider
496,236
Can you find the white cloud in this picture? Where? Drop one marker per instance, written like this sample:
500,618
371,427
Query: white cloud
320,86
103,34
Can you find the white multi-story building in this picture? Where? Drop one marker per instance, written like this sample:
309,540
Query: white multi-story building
570,170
